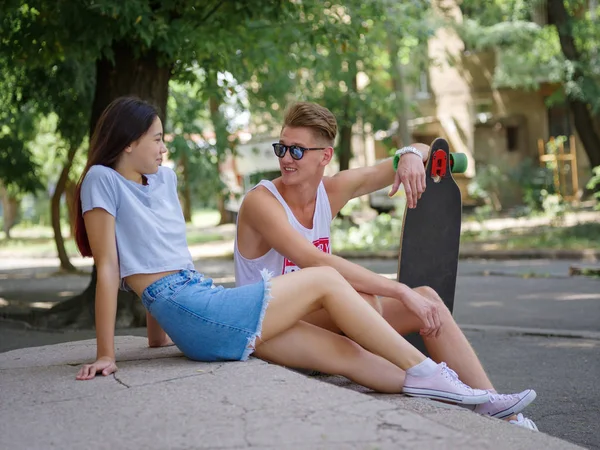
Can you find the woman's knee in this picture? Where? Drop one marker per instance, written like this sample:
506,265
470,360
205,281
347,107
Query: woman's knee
326,277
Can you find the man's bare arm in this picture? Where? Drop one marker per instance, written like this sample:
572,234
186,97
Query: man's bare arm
268,219
266,215
352,183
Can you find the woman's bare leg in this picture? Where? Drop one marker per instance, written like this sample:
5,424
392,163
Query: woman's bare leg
321,318
451,346
310,347
300,293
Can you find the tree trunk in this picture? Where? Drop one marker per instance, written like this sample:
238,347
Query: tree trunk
345,149
403,136
226,215
141,77
10,208
65,264
79,311
348,118
186,195
128,75
222,138
582,115
70,200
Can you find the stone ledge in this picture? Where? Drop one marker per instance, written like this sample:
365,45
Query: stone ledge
159,399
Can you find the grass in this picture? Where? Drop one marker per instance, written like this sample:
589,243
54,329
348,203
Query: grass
384,235
38,241
379,234
35,246
200,237
204,218
577,237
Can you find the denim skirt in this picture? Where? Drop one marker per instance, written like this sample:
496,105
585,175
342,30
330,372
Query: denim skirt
208,322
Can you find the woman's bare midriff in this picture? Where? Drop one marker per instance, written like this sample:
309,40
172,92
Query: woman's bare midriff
140,281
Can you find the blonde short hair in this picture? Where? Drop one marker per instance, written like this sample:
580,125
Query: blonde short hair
316,117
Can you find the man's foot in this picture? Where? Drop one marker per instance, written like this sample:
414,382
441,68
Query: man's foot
502,406
443,384
524,422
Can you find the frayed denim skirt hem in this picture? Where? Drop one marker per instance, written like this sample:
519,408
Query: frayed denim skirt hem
208,322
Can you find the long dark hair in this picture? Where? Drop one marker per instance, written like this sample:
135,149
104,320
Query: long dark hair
124,121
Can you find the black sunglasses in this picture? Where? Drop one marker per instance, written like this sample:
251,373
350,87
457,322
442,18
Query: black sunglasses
296,152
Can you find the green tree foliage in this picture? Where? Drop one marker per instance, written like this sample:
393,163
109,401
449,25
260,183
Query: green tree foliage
196,159
18,120
594,185
73,57
544,41
338,54
120,48
132,47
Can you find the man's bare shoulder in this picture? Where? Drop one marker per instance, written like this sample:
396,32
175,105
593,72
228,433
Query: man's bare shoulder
257,202
330,181
256,195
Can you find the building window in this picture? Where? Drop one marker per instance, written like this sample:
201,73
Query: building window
512,138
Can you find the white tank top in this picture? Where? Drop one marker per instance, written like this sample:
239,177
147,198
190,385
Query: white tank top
247,271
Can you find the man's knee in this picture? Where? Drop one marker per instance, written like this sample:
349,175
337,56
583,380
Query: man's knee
432,295
427,292
374,301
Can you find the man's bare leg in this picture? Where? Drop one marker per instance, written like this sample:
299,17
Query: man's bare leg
451,345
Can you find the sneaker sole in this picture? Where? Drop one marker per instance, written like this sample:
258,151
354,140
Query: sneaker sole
517,407
528,424
447,396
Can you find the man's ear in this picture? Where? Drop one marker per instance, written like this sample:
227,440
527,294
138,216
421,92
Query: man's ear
327,156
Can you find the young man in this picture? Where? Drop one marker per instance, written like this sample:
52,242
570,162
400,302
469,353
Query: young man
284,226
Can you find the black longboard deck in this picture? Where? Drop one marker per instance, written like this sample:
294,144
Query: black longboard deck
430,239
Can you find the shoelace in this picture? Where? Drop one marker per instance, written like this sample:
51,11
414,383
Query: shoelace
494,397
453,377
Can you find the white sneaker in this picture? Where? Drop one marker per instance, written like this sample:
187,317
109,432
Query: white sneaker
444,385
524,422
506,405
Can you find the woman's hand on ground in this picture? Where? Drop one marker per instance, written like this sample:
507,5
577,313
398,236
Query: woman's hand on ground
105,365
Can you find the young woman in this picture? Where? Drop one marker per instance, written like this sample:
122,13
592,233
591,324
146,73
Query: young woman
130,221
